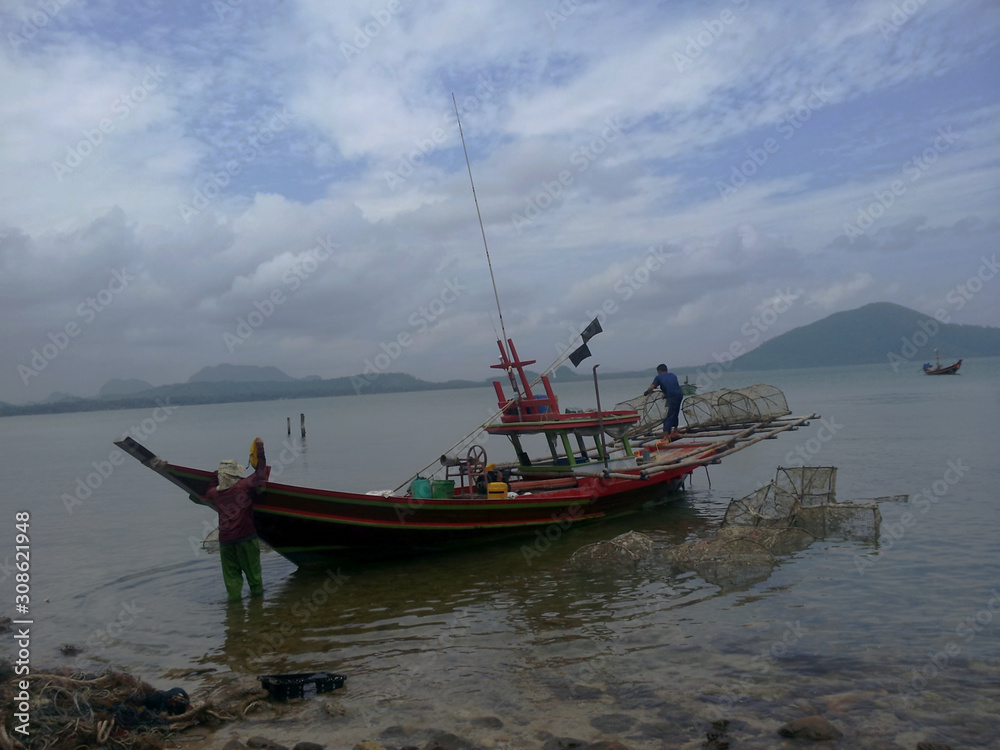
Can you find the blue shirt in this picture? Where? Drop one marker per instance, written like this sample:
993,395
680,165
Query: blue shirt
667,383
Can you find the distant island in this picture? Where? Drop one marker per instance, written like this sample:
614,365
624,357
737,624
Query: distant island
879,333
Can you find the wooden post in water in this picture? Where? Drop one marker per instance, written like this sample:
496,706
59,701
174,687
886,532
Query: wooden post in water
600,420
289,425
302,424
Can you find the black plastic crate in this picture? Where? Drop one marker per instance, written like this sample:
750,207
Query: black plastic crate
282,687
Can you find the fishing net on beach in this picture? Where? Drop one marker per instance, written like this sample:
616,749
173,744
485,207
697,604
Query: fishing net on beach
651,409
730,407
72,710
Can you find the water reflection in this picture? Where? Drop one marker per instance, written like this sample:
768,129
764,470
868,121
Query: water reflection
496,598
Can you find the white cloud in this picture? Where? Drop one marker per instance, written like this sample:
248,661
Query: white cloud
367,157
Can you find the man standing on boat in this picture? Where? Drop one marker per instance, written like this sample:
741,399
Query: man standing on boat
667,382
231,494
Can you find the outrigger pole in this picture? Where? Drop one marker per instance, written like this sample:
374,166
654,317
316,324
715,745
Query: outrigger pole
481,229
496,296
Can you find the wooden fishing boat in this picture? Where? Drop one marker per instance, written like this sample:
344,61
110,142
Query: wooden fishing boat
937,369
477,502
591,471
688,389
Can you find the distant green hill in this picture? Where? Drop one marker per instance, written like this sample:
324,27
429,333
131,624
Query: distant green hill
117,387
226,373
210,392
877,333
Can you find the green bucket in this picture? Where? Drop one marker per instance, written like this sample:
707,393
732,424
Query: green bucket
420,488
442,488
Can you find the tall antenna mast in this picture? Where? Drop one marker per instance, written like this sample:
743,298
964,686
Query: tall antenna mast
481,229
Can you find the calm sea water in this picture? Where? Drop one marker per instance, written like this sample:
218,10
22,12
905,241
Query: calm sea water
895,642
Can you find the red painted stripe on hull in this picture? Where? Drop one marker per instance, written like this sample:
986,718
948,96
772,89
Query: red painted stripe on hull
418,524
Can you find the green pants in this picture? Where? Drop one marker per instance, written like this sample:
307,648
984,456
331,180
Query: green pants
239,558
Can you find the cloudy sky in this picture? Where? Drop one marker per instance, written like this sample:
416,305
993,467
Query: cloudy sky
196,182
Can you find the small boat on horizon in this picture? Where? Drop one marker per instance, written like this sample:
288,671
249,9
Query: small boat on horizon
688,388
937,369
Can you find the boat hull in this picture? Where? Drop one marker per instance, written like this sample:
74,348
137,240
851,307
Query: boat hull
949,370
312,527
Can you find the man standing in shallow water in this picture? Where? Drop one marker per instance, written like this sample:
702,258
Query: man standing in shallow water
231,494
666,381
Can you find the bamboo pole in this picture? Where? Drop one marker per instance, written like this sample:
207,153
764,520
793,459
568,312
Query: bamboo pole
600,420
735,446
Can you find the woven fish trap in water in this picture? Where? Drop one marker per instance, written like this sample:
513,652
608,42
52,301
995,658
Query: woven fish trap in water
624,550
725,562
804,498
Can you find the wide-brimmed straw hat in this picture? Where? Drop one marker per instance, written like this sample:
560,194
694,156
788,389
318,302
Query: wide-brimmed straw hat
230,472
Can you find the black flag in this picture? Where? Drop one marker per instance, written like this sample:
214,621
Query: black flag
590,331
579,355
